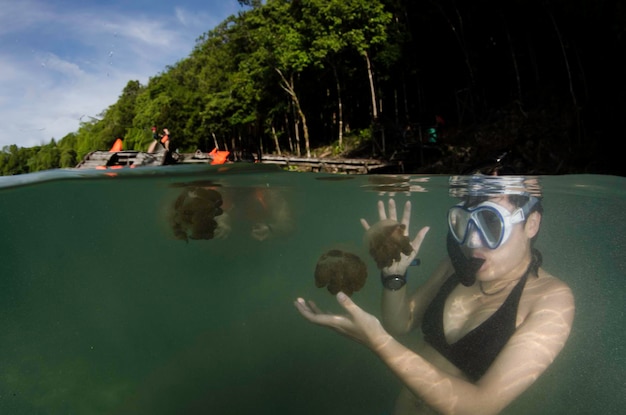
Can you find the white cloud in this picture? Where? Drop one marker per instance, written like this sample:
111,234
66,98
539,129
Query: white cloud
62,67
59,65
195,20
16,16
44,102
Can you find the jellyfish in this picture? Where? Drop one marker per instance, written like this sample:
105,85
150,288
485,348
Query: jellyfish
340,271
386,241
194,213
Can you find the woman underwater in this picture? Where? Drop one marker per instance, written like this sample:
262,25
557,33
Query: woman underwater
492,319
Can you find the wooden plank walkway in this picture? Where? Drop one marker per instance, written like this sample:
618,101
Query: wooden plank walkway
106,159
329,165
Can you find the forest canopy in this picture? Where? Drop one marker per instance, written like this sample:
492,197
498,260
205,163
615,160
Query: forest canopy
539,79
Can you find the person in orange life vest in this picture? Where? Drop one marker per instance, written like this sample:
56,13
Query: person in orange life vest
165,139
157,140
118,145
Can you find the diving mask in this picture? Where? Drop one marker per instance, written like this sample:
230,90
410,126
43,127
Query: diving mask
491,221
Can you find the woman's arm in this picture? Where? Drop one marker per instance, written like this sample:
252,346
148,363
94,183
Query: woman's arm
398,308
526,356
402,312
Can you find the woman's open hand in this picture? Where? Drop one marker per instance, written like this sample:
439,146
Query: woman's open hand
399,267
357,324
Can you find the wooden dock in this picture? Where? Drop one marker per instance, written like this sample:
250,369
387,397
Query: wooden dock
132,159
329,165
119,159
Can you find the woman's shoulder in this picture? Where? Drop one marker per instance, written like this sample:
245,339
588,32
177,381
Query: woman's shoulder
550,281
547,289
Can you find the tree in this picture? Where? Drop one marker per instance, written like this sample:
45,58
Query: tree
285,69
282,46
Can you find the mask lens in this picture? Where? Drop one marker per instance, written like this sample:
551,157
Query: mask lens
458,219
488,222
491,226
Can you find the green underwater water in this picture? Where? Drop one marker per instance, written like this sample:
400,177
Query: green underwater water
103,311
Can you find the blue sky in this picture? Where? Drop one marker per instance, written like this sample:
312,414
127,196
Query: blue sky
65,61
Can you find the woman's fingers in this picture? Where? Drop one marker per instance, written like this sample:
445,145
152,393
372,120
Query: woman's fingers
365,225
350,325
315,308
349,305
390,213
406,217
303,308
419,238
393,215
382,215
309,311
312,313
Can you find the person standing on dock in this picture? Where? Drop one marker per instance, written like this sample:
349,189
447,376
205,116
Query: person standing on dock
171,156
165,139
156,140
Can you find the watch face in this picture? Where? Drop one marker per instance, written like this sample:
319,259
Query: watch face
394,283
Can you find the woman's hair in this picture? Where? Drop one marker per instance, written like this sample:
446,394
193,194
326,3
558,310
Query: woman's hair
536,257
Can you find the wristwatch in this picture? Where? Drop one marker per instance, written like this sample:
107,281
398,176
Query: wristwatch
393,282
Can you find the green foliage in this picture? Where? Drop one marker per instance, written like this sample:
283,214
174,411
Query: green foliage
338,149
138,139
228,89
48,157
256,78
14,160
68,158
346,24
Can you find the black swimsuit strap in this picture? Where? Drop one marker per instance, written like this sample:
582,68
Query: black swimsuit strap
475,351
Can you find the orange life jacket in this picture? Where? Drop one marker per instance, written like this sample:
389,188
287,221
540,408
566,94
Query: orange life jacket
117,146
219,157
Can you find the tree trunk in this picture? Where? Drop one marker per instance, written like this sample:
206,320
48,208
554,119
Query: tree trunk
375,126
565,58
459,34
569,78
288,130
513,59
276,140
296,128
289,87
370,74
339,108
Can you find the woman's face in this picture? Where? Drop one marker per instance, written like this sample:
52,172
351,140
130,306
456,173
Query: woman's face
510,259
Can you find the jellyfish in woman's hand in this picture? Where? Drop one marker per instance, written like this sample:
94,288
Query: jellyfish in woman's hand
386,240
194,212
340,271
